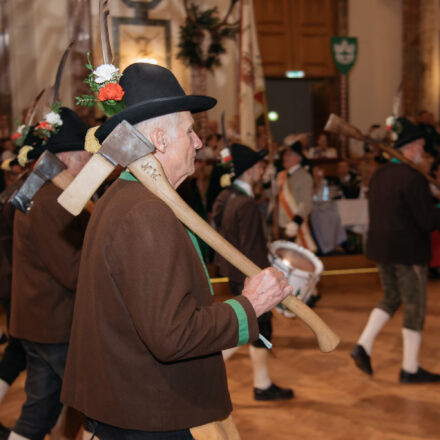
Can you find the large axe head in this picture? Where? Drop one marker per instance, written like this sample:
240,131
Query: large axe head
337,125
46,168
13,188
122,146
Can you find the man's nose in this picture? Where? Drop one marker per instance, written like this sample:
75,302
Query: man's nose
197,142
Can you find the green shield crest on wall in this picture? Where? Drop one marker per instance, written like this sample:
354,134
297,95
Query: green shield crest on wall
344,52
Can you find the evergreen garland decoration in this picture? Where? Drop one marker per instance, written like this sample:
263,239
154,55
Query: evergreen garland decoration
192,34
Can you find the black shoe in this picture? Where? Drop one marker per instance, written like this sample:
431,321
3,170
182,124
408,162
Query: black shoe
274,392
422,376
313,300
361,359
4,432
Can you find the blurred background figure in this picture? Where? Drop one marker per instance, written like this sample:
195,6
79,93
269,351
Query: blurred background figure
322,149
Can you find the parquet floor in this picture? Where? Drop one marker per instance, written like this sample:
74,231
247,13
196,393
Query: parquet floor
334,400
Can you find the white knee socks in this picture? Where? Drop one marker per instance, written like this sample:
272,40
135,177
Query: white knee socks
411,344
260,365
376,321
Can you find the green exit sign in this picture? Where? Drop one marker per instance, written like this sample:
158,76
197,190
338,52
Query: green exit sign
295,74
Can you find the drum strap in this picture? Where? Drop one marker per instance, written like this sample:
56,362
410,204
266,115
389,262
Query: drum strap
288,204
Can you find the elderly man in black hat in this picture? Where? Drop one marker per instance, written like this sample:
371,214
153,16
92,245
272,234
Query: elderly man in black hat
46,253
402,215
239,220
144,308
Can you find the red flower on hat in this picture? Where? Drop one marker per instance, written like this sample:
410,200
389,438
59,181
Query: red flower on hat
15,136
111,91
44,125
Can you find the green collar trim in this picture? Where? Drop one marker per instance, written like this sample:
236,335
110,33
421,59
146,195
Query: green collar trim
395,160
199,252
239,188
126,175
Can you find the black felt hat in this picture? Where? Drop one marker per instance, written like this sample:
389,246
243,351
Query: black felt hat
244,158
297,148
151,91
70,137
407,132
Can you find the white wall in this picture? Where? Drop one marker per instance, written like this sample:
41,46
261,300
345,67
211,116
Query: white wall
38,39
376,76
39,36
222,83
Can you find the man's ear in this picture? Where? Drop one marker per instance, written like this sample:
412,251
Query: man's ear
158,138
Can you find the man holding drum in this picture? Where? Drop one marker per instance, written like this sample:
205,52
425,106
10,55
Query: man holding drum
239,220
402,215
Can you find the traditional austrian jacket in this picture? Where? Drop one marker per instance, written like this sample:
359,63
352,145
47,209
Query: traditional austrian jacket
46,253
295,203
402,215
238,219
145,350
6,223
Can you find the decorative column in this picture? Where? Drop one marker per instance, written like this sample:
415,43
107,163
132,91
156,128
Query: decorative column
412,75
429,55
5,84
199,87
80,31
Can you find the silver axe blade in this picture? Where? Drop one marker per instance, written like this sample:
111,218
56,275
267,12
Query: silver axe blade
13,188
122,146
46,168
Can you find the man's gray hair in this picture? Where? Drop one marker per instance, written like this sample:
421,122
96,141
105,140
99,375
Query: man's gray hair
168,123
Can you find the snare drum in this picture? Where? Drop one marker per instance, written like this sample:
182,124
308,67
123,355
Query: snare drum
301,267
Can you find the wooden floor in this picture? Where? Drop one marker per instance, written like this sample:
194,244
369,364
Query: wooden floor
334,400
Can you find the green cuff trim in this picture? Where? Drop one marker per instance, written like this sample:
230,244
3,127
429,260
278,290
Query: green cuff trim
395,160
243,326
126,175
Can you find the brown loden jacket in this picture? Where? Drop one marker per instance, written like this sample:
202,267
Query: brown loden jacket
46,253
6,222
146,338
238,219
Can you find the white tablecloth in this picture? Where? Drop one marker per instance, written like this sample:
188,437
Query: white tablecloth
329,220
353,212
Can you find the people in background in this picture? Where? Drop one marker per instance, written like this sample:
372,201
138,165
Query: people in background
347,180
322,150
401,215
426,123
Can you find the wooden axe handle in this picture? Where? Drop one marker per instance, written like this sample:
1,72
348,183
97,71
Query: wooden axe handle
63,180
81,189
337,125
401,157
150,173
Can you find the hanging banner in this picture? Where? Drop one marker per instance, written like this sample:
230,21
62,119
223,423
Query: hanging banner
252,86
344,52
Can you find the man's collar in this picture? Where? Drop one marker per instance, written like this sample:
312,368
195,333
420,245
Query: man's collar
290,171
244,186
126,175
